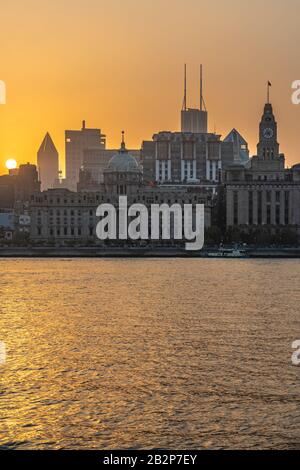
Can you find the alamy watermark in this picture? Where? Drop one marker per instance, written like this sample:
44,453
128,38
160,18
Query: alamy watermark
164,222
296,93
2,92
2,353
296,354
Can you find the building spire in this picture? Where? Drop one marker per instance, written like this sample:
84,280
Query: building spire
123,145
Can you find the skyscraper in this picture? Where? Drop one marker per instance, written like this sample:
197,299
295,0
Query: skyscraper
47,160
76,143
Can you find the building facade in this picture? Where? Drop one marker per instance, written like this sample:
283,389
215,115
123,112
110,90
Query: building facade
177,157
95,162
264,192
64,217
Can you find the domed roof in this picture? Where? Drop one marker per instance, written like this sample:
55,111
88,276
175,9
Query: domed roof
123,161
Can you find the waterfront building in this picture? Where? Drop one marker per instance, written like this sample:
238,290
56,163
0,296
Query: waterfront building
264,192
64,217
7,225
76,142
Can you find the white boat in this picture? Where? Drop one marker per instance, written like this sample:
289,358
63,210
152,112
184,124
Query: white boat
228,253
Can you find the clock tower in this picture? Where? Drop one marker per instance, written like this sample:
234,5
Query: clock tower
268,147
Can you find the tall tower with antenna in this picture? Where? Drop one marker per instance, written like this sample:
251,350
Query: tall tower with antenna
192,119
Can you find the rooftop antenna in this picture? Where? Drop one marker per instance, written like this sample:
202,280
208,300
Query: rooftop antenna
184,98
202,102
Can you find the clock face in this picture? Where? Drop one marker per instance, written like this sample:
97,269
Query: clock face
268,133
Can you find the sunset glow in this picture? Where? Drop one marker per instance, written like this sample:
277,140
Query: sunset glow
11,164
119,64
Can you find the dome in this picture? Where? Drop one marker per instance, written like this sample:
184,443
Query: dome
123,161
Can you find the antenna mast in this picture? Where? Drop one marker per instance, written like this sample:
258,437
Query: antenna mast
184,98
202,102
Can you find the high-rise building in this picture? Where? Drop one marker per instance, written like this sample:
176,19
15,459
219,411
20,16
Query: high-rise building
194,120
76,143
48,164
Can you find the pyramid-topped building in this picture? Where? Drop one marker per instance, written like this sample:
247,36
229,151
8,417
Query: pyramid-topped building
48,163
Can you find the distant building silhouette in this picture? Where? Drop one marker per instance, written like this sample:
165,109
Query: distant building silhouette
47,160
76,143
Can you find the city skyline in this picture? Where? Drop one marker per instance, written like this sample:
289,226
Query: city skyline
136,83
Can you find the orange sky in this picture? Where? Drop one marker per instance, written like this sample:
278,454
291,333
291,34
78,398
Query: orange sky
118,64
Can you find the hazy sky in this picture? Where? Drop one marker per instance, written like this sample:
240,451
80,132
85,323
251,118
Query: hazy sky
118,64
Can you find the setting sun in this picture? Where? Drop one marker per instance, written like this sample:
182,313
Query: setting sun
11,164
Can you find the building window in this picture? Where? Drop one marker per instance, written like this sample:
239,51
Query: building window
286,207
269,199
250,207
268,214
259,207
277,214
235,208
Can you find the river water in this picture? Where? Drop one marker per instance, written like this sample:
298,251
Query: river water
140,354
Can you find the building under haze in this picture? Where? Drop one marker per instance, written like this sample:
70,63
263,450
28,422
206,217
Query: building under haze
48,163
76,143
